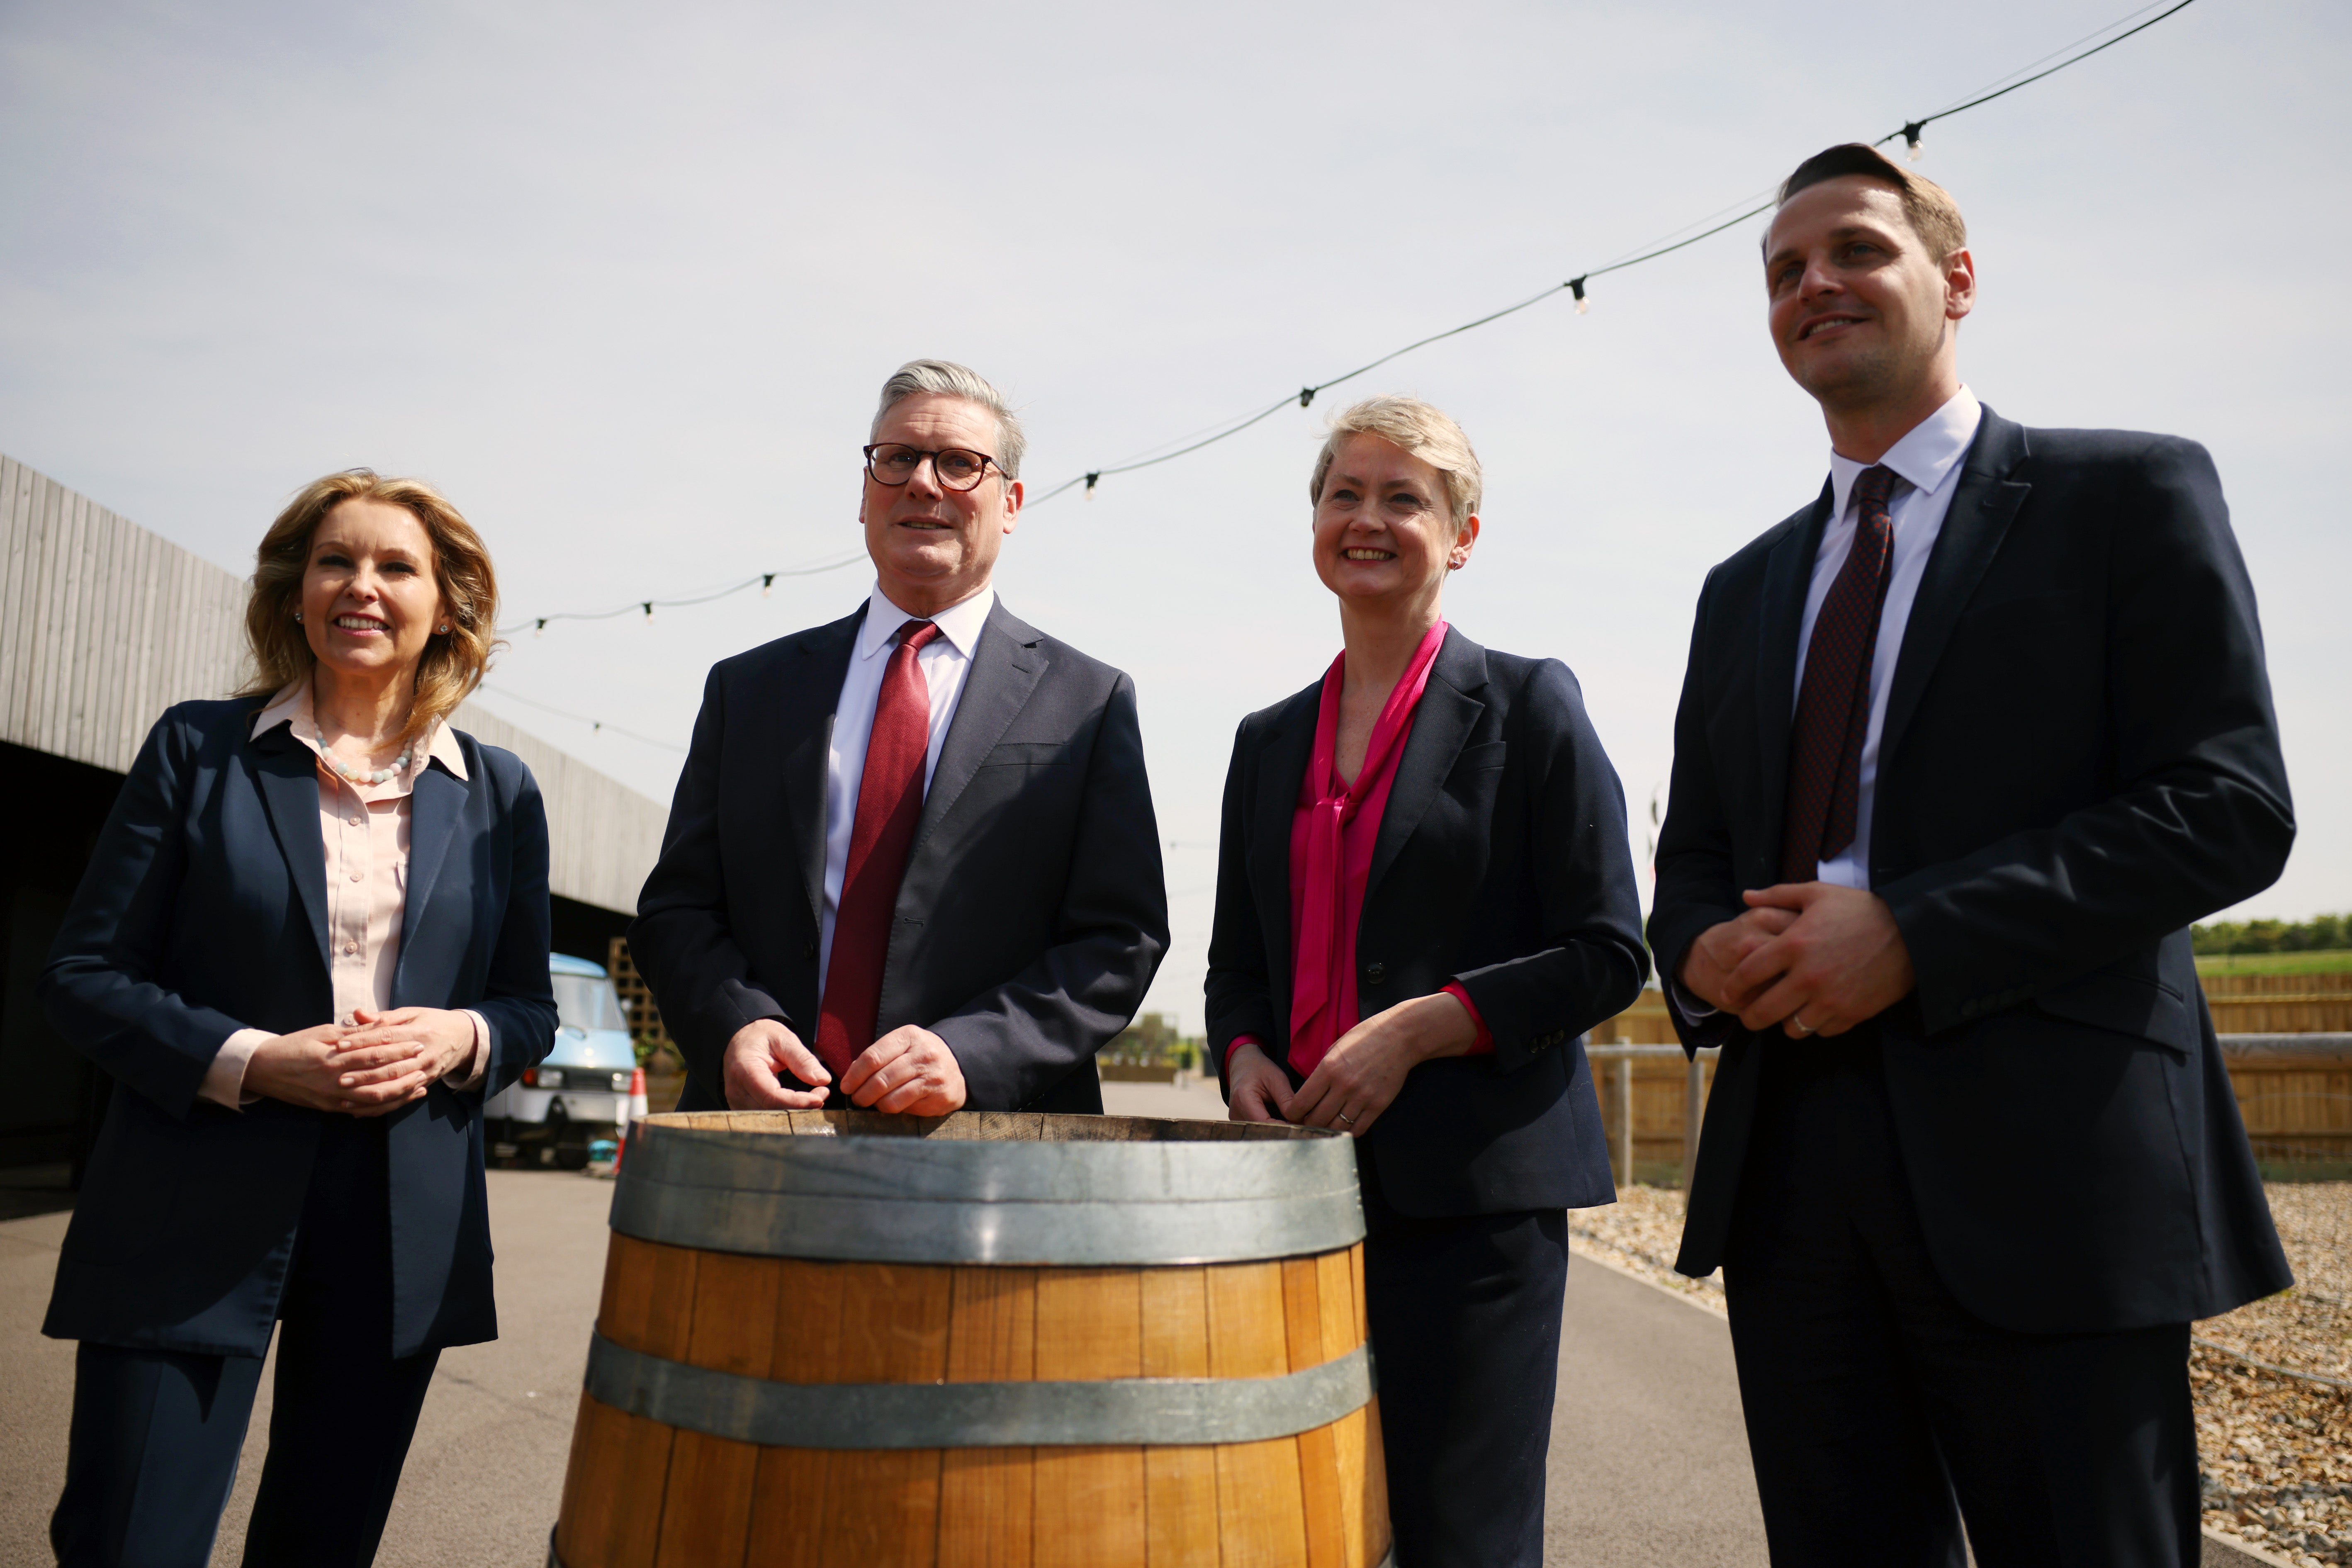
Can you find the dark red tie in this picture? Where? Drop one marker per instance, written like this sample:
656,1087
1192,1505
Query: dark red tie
889,808
1833,708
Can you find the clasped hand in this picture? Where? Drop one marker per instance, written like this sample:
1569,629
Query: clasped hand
1361,1074
910,1071
376,1064
1811,958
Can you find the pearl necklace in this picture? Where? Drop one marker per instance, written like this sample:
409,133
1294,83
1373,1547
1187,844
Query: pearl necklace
364,775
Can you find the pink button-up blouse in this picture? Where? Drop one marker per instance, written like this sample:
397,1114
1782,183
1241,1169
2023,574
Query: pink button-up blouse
364,829
1333,832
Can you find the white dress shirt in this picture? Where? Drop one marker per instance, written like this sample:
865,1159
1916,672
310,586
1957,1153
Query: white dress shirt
944,661
1928,461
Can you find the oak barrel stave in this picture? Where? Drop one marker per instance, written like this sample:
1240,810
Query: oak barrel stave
643,1493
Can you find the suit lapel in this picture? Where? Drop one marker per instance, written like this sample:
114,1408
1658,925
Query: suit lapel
805,708
288,773
1440,725
1982,509
1281,770
434,804
1006,668
1787,573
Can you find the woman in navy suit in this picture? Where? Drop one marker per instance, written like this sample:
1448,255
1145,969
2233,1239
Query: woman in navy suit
313,934
1424,898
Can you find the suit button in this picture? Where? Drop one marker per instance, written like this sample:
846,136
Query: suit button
1375,973
812,948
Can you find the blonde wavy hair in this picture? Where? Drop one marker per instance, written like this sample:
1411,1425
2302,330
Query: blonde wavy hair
454,662
1418,429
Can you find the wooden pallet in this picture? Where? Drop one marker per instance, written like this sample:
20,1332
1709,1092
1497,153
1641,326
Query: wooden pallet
645,1019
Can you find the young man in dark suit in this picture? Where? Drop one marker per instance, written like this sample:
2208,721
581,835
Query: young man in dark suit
1963,748
912,864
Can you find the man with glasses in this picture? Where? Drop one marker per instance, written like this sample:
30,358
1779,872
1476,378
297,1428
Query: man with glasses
911,865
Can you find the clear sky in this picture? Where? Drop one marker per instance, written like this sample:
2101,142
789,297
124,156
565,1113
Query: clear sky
625,280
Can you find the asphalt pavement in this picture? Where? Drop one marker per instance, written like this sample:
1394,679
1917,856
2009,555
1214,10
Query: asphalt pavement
1649,1460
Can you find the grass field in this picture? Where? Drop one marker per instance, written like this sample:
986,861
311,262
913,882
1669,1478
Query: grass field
2275,963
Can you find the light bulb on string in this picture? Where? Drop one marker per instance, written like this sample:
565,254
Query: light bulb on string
1576,286
1911,135
649,612
1090,483
1306,395
540,630
767,583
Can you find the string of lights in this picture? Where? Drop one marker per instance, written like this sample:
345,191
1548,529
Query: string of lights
597,725
1909,133
1577,288
764,581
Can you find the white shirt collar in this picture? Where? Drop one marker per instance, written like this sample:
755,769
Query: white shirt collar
1925,458
960,624
292,707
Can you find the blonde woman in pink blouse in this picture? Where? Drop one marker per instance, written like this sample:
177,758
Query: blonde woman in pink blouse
1424,898
313,936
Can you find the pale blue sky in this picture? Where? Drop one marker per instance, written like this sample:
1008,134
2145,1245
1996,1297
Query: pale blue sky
625,280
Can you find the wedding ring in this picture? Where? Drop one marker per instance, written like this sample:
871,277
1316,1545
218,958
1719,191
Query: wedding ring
1798,1019
1347,1119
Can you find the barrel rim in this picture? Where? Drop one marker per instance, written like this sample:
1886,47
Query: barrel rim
901,1230
900,1198
990,1127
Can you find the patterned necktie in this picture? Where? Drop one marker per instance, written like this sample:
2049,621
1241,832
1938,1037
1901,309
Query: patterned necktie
889,808
1833,708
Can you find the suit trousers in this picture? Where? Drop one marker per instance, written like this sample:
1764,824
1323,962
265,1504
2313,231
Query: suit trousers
1881,1413
156,1433
1464,1315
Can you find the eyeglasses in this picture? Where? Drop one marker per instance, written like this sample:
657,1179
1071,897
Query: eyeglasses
954,467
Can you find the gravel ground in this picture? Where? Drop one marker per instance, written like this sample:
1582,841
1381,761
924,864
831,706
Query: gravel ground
1640,1232
2277,1451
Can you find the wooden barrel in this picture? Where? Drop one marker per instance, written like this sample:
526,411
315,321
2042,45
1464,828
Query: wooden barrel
996,1339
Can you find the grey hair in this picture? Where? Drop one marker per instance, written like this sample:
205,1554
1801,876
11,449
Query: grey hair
1419,430
947,379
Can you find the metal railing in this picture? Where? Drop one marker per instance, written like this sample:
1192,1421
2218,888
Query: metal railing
1612,1071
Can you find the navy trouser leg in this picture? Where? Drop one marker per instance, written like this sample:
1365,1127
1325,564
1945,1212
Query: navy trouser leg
342,1407
1881,1411
151,1454
1464,1315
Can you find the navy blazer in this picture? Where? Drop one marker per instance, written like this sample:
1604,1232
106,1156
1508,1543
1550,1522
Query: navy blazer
1032,915
1502,862
203,911
2079,757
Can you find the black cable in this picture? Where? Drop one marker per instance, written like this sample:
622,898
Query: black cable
1911,131
1576,285
598,724
1306,394
762,581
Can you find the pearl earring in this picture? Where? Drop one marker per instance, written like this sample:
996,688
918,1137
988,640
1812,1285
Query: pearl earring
443,631
297,618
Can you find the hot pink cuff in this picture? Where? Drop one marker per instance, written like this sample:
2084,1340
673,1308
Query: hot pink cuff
1485,1044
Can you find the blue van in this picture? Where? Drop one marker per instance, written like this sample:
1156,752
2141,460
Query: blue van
580,1092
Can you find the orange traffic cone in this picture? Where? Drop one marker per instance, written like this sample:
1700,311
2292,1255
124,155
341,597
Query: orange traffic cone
635,1112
